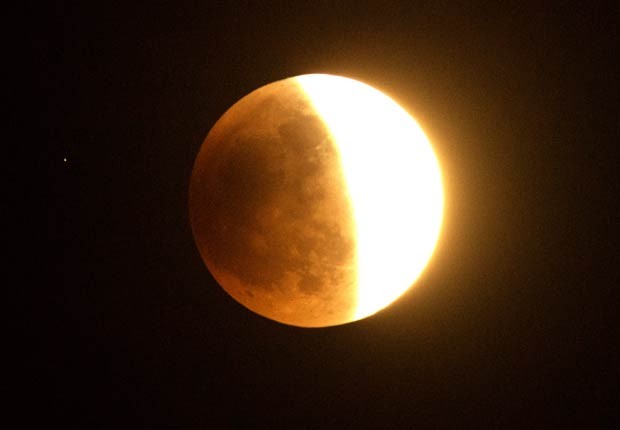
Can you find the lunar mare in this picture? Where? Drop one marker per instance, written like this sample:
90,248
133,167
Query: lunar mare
315,201
268,211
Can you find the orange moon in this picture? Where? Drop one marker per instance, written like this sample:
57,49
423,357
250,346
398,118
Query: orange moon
316,201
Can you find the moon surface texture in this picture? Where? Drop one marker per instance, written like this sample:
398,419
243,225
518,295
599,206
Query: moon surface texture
316,201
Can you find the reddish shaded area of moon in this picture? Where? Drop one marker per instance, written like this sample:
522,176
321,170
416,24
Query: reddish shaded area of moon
270,212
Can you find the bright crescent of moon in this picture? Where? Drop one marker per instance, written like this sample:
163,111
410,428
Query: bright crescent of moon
394,184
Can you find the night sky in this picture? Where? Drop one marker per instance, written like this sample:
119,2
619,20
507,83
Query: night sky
512,322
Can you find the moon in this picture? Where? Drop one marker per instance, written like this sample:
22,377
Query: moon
316,201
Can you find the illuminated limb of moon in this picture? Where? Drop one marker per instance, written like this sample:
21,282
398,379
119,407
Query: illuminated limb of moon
394,183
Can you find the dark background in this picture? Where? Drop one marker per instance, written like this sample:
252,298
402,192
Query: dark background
511,323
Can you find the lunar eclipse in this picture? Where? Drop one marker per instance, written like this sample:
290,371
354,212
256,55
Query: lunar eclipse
316,201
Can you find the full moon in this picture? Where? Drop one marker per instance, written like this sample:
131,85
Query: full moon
316,201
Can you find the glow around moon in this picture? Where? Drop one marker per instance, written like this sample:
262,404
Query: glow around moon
316,201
